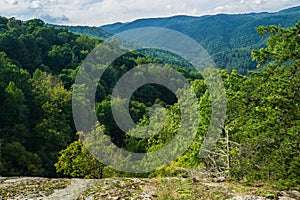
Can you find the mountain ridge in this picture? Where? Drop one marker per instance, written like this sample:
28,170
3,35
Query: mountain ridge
229,38
107,27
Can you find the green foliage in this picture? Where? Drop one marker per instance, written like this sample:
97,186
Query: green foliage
14,105
259,141
35,107
76,161
92,32
228,38
19,162
54,126
32,44
267,125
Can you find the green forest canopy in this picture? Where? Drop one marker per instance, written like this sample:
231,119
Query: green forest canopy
229,38
38,65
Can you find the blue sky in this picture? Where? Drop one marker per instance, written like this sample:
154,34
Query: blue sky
99,12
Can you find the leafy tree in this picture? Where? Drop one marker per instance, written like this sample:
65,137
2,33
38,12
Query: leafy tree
59,57
14,124
259,141
268,127
76,161
17,161
35,108
14,105
104,114
54,127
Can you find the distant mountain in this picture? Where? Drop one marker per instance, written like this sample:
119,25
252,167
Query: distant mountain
228,37
111,28
93,32
226,30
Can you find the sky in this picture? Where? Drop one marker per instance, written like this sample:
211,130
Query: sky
100,12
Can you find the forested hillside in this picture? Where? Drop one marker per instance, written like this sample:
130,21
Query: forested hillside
228,38
38,68
92,32
38,64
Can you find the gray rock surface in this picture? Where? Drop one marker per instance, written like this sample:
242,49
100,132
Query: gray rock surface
248,197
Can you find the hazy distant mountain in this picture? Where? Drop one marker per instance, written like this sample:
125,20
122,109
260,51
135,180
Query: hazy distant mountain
93,32
225,31
228,37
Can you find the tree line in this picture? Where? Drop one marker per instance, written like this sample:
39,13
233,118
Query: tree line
260,140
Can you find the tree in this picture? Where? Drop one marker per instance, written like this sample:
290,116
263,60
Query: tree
76,161
14,124
35,107
14,105
17,161
268,127
54,126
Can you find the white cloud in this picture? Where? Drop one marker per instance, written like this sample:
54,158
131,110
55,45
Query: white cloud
36,4
170,7
259,2
12,2
97,12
